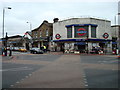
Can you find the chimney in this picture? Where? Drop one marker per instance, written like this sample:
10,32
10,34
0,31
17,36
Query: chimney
55,20
45,21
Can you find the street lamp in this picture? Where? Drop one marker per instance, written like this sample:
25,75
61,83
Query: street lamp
30,25
4,43
3,17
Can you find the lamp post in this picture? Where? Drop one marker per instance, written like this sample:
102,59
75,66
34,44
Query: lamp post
3,17
30,25
3,43
30,44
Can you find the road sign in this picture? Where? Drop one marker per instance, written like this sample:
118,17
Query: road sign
57,36
105,35
81,31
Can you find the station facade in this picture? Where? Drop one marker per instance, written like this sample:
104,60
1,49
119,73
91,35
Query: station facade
82,34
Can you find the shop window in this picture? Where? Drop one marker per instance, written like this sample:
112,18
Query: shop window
93,31
69,32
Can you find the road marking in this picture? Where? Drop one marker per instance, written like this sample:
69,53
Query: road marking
17,69
30,74
11,85
86,85
17,82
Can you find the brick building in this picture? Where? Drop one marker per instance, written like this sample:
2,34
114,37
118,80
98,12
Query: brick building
42,35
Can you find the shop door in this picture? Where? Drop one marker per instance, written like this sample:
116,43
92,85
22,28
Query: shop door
81,48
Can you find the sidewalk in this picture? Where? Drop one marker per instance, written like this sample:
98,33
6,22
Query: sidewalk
61,53
7,57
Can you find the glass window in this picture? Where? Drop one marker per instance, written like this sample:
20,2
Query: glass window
69,32
40,33
46,32
93,31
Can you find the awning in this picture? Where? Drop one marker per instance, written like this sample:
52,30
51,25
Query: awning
80,43
81,40
114,42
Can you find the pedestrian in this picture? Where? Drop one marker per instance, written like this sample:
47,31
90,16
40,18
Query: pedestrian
10,54
44,48
63,50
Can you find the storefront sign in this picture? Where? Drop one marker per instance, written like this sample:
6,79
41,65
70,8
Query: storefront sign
57,36
81,31
105,35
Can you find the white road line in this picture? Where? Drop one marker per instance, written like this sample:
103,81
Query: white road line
86,85
17,69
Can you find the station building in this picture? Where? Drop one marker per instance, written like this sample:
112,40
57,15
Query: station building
82,34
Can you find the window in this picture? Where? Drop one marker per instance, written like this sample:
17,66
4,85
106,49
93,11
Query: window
40,33
35,34
69,32
46,32
93,31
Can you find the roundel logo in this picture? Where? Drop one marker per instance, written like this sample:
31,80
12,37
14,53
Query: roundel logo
105,35
57,36
81,31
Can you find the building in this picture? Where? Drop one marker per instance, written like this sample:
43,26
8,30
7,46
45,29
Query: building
82,34
115,33
15,41
42,35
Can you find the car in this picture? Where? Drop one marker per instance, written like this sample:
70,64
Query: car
22,49
36,51
96,51
15,48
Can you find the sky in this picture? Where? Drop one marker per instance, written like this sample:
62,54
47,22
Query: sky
36,11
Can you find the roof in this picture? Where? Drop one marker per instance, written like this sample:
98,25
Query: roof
44,22
16,36
86,18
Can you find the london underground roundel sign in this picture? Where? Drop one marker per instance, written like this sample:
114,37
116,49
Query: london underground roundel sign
105,35
57,36
81,31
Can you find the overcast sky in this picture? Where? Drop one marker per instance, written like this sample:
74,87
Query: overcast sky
38,11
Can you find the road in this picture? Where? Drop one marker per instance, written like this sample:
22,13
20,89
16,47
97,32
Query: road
60,71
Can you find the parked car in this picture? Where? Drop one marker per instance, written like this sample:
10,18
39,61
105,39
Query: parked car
96,51
15,48
22,49
36,51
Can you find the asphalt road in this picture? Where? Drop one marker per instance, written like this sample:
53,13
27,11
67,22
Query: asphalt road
101,77
99,71
13,73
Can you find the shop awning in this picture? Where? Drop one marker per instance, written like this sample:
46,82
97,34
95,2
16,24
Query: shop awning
80,43
81,40
114,42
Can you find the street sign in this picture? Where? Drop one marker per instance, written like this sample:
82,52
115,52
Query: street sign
105,35
81,31
57,36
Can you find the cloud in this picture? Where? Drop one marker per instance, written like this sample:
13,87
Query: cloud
59,0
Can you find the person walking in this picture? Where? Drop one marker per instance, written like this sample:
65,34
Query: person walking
44,48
